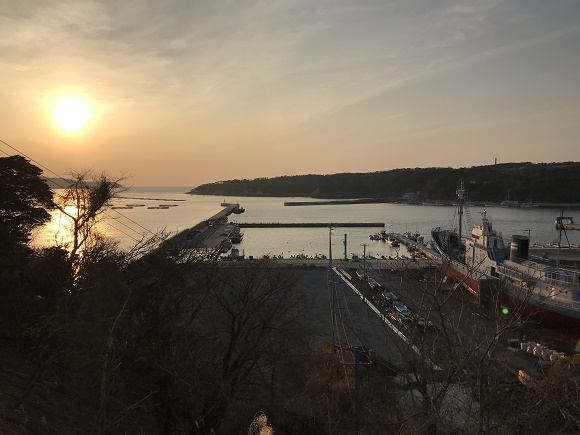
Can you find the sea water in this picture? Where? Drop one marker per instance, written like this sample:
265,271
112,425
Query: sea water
129,225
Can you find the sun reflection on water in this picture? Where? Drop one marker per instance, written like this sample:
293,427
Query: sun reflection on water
59,231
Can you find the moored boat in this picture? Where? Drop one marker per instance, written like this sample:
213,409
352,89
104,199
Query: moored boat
226,246
474,260
392,241
236,235
509,203
546,294
238,209
565,223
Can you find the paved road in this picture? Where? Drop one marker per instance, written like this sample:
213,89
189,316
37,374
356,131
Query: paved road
467,324
357,323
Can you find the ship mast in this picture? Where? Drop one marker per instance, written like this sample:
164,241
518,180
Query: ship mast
560,238
461,195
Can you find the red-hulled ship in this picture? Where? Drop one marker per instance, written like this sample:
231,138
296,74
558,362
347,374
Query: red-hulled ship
546,294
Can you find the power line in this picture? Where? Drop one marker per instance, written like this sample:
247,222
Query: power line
131,220
32,160
64,187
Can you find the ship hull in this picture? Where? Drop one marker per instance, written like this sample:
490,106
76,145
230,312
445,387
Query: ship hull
549,296
565,320
460,273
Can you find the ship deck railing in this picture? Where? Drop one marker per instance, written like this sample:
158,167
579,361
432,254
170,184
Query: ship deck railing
571,283
528,287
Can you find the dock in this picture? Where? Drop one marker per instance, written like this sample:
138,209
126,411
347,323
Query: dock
210,234
213,233
428,252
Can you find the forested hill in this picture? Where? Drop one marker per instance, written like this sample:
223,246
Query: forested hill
523,182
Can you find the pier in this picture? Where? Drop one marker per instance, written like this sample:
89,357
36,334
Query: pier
428,252
210,234
213,233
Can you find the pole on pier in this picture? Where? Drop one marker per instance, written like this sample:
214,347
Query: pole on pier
345,256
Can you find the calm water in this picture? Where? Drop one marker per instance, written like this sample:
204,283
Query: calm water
127,224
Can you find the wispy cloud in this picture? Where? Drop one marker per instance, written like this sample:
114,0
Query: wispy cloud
289,68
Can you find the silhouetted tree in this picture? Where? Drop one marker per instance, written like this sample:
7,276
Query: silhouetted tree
83,202
24,200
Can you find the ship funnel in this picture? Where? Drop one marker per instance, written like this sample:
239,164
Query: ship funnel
519,248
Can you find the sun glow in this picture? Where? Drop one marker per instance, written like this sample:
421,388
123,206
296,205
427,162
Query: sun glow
71,114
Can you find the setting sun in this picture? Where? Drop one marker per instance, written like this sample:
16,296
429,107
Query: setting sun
71,114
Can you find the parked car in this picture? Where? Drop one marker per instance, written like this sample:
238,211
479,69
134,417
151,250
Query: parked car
374,284
423,323
389,297
401,308
397,316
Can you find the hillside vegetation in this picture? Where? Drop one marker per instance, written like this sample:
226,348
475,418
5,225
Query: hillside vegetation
523,182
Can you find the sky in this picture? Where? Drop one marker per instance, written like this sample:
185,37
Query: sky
186,92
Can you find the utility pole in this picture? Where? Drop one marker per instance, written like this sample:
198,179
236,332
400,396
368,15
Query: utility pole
345,256
365,261
357,351
333,306
365,270
330,244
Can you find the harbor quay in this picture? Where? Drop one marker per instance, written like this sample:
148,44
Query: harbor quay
373,322
214,233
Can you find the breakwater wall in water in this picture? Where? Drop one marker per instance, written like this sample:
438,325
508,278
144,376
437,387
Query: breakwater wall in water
310,224
338,202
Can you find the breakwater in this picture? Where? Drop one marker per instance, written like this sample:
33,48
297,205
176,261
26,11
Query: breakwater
311,225
338,202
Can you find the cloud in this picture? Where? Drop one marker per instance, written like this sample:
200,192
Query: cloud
284,71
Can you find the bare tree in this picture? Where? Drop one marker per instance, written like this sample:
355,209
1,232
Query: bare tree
450,357
209,333
84,201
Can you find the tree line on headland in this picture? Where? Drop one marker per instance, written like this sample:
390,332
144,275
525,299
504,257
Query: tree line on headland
523,182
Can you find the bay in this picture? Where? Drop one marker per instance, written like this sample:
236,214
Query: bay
126,225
